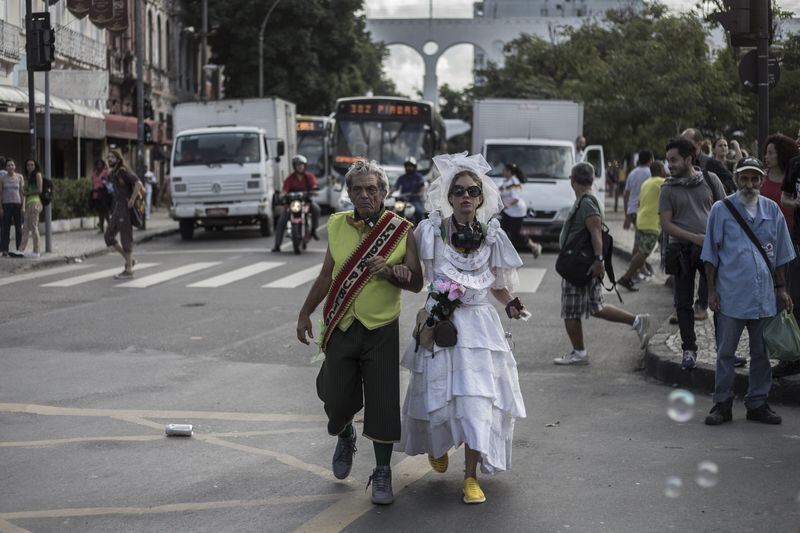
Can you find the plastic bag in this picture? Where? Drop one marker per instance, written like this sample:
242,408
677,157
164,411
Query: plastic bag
782,337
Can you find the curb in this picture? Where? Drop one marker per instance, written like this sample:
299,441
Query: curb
98,251
666,367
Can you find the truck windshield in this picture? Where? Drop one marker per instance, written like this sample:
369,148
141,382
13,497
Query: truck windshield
312,145
550,162
388,142
216,149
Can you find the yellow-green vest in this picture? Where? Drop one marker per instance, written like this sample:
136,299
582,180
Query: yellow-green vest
378,303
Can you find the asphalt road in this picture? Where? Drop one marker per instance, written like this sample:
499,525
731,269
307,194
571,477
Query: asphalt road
91,369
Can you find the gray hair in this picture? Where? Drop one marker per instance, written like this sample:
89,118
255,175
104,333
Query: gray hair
364,168
583,173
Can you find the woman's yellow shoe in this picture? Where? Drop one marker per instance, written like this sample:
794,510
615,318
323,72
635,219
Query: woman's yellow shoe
472,491
440,464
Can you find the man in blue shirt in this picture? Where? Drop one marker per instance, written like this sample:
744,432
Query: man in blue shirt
412,184
742,290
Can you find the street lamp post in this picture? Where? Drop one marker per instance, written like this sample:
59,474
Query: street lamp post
261,51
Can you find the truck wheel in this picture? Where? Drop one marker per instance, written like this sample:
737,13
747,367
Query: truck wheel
187,229
266,227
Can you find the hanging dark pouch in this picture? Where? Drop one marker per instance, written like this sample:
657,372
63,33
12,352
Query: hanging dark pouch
672,259
445,334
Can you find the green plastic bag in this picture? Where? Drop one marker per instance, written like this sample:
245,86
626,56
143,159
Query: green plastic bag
782,337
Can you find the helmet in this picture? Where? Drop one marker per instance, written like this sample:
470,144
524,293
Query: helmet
299,159
410,161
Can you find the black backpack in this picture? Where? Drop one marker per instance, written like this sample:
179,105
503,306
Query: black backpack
46,196
577,256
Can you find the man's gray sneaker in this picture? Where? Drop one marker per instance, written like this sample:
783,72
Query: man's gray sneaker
343,455
643,330
381,481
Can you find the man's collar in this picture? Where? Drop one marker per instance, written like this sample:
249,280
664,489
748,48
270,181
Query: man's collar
371,221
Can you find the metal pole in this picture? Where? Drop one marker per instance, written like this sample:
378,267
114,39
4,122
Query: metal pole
48,210
139,89
203,49
31,89
763,74
261,51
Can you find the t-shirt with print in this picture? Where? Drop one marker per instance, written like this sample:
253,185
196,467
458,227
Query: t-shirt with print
791,186
576,220
647,218
634,185
689,200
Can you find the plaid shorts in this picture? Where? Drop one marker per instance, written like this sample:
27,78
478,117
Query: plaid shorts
578,302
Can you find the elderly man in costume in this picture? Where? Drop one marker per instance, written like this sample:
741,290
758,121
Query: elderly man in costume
370,258
464,386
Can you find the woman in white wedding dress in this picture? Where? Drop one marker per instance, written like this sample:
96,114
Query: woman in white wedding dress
468,393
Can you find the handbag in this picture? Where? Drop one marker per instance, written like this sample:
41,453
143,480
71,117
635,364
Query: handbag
445,334
781,334
137,213
423,330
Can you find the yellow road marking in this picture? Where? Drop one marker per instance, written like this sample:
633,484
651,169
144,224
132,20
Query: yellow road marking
169,508
144,438
354,504
50,410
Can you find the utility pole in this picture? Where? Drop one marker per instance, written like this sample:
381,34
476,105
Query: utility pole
763,73
203,50
261,51
31,89
139,36
48,210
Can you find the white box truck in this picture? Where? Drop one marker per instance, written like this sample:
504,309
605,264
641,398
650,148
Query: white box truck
538,136
228,160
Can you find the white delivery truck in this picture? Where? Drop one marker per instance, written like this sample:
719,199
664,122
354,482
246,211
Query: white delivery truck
228,160
539,137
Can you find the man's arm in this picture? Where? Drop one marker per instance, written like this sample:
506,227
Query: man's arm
784,300
408,275
594,225
711,281
679,233
315,296
787,202
625,197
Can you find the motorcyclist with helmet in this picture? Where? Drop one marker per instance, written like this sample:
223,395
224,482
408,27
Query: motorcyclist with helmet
298,181
412,185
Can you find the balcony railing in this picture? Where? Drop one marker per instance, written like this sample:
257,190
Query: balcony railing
11,44
77,47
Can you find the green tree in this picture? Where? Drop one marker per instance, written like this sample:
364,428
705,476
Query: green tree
315,51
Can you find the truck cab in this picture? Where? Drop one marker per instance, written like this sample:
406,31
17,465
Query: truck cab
224,176
547,192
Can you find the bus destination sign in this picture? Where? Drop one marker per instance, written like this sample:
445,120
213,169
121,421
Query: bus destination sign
383,109
309,125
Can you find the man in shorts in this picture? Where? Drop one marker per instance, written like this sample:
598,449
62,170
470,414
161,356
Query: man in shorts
579,302
127,189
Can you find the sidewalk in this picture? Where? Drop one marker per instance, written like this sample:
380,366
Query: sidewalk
663,356
74,246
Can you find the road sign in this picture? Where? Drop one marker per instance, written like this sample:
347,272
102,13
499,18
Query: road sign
748,71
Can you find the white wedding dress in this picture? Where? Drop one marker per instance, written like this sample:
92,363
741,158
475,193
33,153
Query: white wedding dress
468,393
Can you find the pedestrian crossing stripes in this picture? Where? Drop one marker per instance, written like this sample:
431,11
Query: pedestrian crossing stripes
236,275
530,277
93,276
296,279
148,281
40,274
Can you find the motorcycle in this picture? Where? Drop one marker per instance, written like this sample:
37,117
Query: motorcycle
400,204
299,206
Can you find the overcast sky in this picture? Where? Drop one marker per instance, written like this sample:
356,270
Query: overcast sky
405,67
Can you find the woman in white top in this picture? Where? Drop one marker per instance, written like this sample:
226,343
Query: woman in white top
468,393
515,209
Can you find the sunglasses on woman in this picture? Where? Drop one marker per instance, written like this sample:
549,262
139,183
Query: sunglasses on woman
459,190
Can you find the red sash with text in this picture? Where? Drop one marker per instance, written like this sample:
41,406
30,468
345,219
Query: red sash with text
354,275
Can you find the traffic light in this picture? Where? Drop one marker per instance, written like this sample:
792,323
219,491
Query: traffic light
740,19
41,42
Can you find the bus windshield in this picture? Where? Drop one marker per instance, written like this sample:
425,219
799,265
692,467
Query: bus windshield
549,162
312,146
389,142
217,148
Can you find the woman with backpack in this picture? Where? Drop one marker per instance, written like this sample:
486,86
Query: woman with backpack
33,208
515,209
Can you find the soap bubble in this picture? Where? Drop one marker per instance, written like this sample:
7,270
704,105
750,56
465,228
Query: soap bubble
673,487
680,407
707,472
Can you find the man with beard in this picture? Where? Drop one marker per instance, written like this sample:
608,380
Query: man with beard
683,205
744,290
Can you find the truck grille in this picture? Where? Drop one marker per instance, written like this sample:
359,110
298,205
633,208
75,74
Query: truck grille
542,215
206,188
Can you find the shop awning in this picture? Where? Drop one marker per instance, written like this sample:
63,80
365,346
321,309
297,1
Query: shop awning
87,123
125,127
